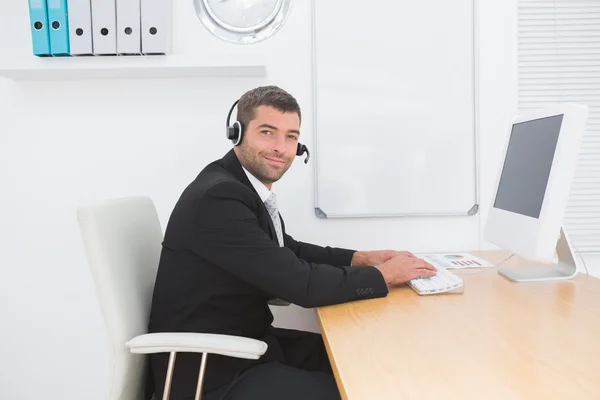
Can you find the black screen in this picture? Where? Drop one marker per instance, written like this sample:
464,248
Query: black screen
527,166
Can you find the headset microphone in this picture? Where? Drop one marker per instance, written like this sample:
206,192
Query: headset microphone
301,150
235,133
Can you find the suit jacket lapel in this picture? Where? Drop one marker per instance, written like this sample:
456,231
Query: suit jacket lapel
232,164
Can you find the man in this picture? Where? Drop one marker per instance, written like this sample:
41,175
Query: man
226,254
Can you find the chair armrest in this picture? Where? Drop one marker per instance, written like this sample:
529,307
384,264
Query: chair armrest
190,342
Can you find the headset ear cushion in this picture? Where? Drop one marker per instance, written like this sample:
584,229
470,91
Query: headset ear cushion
237,134
231,133
300,149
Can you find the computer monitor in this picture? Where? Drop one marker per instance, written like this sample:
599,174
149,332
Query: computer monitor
532,191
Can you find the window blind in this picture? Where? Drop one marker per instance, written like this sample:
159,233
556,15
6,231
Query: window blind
559,61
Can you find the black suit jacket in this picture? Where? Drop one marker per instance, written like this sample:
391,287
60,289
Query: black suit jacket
220,265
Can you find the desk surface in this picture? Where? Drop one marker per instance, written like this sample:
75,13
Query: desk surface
497,340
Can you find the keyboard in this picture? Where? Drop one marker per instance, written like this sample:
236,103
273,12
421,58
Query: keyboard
443,282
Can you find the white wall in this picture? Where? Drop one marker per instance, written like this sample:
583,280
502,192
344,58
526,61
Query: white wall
152,137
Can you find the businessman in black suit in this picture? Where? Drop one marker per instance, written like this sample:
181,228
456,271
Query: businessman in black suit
226,254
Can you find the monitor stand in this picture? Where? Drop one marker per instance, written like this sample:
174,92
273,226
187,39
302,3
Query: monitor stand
565,268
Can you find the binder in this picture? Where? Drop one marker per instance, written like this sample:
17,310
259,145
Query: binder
104,24
40,35
156,26
128,27
80,27
58,26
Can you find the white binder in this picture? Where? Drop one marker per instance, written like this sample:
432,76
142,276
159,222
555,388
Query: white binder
156,26
128,27
80,27
104,23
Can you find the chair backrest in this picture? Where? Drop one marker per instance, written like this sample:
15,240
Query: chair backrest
122,240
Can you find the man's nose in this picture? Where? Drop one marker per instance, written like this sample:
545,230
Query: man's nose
279,145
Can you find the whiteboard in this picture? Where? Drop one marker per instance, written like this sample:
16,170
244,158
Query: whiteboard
394,101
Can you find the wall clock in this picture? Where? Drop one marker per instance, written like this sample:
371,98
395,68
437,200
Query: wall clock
243,21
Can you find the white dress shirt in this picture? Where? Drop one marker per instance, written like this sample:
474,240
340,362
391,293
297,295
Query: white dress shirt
260,187
265,194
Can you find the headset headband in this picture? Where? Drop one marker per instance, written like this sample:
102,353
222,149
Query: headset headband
231,111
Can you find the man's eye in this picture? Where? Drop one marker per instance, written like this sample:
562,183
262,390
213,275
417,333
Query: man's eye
293,137
265,132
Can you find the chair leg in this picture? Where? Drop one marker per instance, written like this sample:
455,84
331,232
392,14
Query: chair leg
170,368
201,377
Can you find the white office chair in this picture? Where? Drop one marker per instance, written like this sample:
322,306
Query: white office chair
122,239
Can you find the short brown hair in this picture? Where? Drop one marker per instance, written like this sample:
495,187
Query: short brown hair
271,96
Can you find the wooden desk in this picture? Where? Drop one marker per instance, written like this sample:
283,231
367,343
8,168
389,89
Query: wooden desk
497,340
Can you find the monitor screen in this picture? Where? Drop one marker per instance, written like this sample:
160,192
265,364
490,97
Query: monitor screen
527,166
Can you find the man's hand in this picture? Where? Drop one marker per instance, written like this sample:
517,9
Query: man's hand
401,269
362,258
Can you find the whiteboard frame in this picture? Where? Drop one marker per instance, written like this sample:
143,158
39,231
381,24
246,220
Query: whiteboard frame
476,125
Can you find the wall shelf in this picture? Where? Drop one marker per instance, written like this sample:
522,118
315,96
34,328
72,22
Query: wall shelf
127,67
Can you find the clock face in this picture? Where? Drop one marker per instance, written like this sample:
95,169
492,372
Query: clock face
242,21
244,14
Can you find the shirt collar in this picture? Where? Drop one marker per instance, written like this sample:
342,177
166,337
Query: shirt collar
261,189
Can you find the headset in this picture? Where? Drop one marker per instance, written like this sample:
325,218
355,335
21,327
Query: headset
235,133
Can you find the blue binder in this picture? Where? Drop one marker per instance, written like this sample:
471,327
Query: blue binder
58,27
40,36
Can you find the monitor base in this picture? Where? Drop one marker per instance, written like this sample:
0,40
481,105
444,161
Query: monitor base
565,268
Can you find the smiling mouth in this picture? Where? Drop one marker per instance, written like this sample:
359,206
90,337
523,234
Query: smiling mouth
275,160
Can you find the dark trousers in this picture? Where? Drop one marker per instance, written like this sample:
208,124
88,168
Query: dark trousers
304,375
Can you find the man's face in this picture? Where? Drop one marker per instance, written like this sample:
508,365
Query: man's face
269,144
